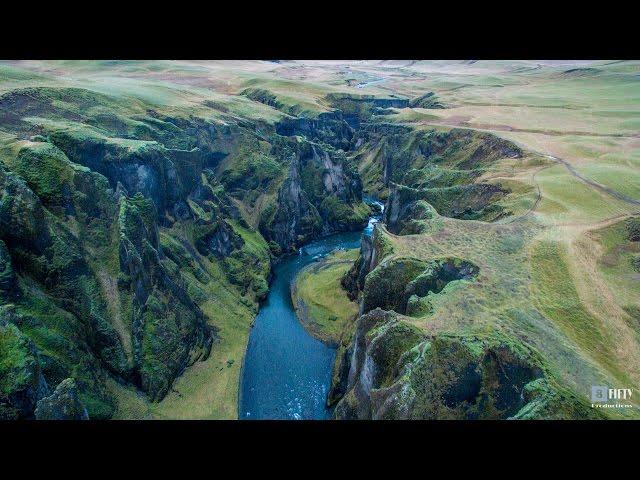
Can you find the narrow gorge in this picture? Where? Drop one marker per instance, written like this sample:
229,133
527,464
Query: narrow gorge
223,242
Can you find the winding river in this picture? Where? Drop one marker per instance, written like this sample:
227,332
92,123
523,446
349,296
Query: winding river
287,372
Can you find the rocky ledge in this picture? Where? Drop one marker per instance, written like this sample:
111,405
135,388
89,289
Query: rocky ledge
397,372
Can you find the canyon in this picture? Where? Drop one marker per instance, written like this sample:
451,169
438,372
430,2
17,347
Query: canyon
156,217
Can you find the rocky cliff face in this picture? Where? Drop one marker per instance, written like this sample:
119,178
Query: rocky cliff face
63,404
404,284
359,109
22,383
441,168
428,100
103,223
169,331
387,368
397,372
373,249
406,210
54,263
321,194
116,216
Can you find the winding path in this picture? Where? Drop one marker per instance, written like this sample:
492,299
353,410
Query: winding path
607,190
602,188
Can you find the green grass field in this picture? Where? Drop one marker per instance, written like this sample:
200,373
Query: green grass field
321,303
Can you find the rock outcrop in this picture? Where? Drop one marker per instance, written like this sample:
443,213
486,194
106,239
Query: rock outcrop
428,100
406,210
63,404
22,383
322,194
373,249
402,284
169,331
359,109
8,279
397,372
433,168
388,368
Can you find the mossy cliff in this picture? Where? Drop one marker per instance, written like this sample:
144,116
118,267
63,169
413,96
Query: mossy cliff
399,284
63,404
22,384
398,372
322,194
406,210
75,271
390,365
443,168
121,219
428,100
168,329
373,249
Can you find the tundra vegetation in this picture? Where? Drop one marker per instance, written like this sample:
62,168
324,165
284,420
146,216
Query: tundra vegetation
143,204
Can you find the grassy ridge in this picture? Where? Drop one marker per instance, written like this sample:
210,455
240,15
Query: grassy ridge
558,300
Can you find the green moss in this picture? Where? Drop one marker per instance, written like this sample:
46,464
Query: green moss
437,275
384,286
443,166
343,215
8,282
546,401
468,202
174,249
61,341
437,176
418,306
47,171
252,170
285,96
388,343
137,219
18,364
470,377
405,374
428,100
250,265
382,243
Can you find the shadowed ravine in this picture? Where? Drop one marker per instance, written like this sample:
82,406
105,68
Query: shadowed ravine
287,372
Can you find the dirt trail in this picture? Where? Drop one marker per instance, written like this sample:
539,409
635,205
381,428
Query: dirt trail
605,222
591,183
537,200
602,188
597,297
463,121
